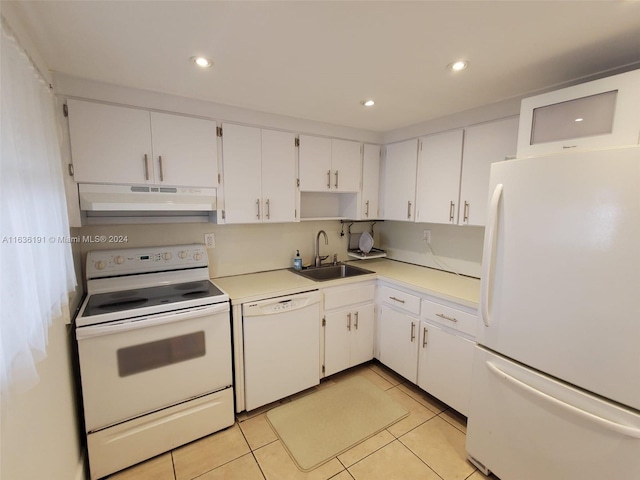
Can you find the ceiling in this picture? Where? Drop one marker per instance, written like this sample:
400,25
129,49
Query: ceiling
318,59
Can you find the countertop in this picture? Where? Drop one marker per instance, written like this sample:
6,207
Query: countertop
447,286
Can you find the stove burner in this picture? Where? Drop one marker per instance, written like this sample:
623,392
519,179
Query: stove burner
196,294
130,303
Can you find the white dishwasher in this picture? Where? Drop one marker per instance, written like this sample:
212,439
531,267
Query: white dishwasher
281,347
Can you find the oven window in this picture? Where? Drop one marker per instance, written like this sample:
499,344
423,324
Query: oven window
158,354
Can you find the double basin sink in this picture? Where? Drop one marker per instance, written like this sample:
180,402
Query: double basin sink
331,272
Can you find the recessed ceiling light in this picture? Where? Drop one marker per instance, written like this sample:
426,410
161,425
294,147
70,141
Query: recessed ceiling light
458,65
368,103
202,61
579,119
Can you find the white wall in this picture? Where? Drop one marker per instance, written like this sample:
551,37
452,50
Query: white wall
40,428
456,248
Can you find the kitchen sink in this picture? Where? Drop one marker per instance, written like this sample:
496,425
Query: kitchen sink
331,272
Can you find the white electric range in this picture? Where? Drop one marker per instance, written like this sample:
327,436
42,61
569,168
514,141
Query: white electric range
154,348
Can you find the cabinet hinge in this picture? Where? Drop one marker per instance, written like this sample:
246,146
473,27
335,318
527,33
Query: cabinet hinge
219,179
224,215
297,182
324,322
218,131
322,368
65,110
295,213
296,142
71,169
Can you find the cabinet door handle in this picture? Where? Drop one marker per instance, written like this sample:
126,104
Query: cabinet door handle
349,321
425,332
409,209
336,178
329,179
146,166
452,207
465,218
451,319
268,209
366,212
413,332
396,299
258,208
161,169
356,322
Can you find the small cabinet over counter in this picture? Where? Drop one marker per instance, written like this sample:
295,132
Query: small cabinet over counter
329,164
122,145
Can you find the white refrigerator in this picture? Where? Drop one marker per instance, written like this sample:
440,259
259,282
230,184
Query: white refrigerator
556,378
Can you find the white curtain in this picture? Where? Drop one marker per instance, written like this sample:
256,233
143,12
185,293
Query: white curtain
36,265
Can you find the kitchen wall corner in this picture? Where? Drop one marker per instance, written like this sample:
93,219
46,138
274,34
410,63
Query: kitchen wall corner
456,248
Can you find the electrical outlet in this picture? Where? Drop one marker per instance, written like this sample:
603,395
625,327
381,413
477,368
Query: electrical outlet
209,240
426,236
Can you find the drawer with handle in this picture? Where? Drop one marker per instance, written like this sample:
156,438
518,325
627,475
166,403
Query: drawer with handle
400,299
459,320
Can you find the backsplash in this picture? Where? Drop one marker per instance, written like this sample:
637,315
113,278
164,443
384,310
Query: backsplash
238,248
457,248
243,249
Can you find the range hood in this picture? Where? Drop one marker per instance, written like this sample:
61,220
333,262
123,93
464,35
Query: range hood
153,202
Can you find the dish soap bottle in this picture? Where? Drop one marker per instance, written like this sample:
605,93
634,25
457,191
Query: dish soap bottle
297,261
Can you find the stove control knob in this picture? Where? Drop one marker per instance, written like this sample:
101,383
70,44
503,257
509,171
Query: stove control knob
182,254
100,265
166,256
119,260
197,256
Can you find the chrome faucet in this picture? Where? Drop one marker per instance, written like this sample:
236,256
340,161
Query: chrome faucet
319,259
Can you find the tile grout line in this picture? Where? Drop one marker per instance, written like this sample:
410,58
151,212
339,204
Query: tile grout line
252,450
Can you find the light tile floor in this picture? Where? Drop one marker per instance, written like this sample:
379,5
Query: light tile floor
426,445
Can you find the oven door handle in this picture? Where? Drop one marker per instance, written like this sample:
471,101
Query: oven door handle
84,333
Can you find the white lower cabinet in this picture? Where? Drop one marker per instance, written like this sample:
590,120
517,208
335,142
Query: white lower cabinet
399,342
349,323
444,365
429,343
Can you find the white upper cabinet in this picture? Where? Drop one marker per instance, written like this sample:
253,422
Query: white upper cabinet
259,175
439,162
346,162
185,149
370,181
279,182
242,179
111,144
329,165
484,144
453,171
400,181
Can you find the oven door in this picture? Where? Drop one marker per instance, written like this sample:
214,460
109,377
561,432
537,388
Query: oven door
137,366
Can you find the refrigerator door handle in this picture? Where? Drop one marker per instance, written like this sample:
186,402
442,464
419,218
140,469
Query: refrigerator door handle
603,422
487,264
